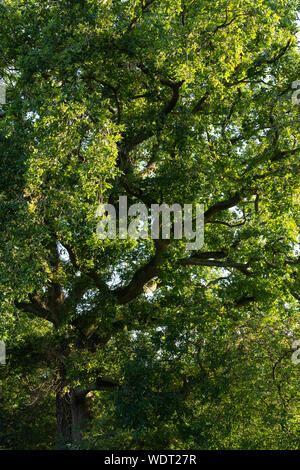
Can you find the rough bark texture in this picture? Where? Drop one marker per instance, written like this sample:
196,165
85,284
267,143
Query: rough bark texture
63,419
72,417
80,415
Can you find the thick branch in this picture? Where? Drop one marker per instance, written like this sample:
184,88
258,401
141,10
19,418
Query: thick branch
215,263
223,205
100,384
37,307
131,143
143,275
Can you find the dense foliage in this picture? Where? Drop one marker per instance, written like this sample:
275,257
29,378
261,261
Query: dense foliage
163,102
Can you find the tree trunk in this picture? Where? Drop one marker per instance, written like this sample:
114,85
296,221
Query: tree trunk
80,415
71,412
72,417
63,419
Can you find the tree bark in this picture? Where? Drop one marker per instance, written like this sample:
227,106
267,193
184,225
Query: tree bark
80,415
63,419
72,413
72,417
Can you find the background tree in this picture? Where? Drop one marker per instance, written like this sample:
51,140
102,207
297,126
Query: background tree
175,102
